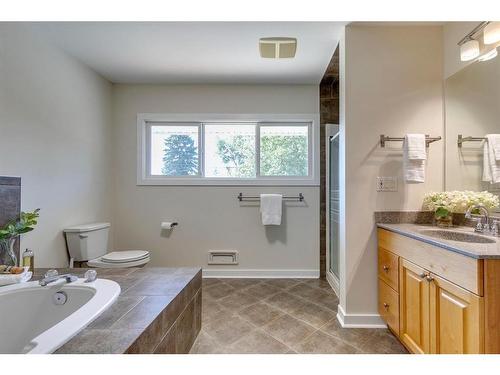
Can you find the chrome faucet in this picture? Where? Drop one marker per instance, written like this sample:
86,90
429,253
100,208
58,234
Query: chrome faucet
52,276
480,227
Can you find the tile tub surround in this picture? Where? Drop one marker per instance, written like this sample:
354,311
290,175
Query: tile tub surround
280,316
473,250
10,201
158,311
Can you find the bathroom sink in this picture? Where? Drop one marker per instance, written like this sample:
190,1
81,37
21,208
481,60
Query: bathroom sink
456,236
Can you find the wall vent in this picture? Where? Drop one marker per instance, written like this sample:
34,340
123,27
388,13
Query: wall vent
222,257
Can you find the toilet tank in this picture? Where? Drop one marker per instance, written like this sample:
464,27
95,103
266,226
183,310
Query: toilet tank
87,241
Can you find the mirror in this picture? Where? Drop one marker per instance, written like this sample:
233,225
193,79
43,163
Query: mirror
472,104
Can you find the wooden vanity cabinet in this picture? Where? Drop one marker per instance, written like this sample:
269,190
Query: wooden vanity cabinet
438,315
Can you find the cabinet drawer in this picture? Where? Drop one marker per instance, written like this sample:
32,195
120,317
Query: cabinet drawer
388,305
388,268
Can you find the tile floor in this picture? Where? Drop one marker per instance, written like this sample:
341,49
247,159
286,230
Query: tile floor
280,316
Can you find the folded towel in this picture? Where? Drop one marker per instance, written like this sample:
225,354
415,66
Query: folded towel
270,208
491,166
414,156
416,146
494,142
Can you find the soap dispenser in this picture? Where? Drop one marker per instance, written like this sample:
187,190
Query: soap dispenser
29,259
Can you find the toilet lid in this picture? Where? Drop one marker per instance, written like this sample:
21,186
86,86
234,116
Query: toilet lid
125,256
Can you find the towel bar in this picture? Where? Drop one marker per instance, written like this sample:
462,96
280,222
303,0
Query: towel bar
461,139
299,197
384,138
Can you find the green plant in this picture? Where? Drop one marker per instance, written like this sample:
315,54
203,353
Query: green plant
24,223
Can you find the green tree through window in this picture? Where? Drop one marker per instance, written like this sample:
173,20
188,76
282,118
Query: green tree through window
238,155
283,155
181,156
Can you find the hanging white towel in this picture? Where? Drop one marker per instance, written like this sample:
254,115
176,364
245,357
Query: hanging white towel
270,208
414,156
491,165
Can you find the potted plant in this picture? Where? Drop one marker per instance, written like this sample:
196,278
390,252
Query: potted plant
445,204
8,234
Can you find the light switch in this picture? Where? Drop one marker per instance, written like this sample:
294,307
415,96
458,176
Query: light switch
387,184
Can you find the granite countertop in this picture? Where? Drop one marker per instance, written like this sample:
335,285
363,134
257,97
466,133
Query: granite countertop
149,297
473,250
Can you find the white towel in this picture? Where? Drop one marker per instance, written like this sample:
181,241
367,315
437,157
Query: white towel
414,156
491,166
270,208
415,144
494,142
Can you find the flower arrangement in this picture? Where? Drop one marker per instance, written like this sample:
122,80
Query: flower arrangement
445,203
24,223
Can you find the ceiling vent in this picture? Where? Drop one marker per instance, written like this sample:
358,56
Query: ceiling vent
277,48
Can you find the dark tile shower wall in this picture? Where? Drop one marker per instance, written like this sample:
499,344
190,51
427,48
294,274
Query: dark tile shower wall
329,114
10,201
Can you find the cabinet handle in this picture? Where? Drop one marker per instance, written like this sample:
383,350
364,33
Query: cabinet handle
386,305
423,275
429,278
386,268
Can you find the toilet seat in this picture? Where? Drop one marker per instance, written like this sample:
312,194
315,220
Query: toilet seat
125,256
121,259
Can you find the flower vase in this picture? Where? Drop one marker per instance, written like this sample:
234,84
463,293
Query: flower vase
7,253
444,221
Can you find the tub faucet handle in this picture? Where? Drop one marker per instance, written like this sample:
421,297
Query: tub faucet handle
51,273
90,275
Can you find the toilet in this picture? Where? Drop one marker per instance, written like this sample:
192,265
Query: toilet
89,243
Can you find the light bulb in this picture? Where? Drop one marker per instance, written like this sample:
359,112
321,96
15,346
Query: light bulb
469,50
491,33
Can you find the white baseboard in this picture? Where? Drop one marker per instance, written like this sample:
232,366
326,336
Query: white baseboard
265,274
359,320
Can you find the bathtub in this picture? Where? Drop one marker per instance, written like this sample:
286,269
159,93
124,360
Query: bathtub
34,319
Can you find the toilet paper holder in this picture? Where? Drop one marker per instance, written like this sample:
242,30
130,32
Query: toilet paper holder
169,225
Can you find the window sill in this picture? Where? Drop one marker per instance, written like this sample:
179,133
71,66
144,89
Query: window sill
226,182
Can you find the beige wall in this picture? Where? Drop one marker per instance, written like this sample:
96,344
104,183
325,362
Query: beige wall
392,85
210,217
55,133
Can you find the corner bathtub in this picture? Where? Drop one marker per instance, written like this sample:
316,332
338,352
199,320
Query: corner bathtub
32,322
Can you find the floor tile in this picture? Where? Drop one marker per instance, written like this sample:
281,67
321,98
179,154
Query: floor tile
319,283
286,302
204,344
288,330
227,331
237,301
242,283
283,283
212,310
383,342
263,290
321,343
209,282
314,315
260,313
218,290
353,336
316,295
257,342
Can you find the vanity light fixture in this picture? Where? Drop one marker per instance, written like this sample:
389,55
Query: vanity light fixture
469,50
491,33
277,47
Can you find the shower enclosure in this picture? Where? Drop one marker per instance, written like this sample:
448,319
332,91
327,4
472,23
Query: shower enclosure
332,205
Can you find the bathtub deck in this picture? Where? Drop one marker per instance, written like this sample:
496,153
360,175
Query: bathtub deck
158,311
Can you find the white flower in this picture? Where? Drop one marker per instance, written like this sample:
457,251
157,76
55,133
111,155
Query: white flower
459,201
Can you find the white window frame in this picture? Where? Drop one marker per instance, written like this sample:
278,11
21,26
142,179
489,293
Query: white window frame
144,178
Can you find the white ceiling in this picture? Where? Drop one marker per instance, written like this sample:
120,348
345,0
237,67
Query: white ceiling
196,52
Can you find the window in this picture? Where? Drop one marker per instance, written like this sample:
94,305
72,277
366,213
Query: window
224,151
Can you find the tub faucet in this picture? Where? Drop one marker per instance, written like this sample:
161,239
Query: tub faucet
52,276
482,209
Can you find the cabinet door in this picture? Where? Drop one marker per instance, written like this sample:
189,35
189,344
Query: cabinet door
456,319
414,307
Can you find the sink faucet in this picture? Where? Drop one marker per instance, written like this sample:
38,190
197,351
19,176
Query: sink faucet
52,276
482,209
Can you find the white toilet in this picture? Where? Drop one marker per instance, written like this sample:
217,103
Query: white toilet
89,243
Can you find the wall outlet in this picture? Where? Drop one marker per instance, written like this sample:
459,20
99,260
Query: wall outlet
387,184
